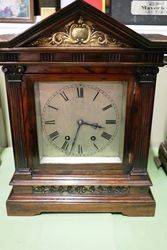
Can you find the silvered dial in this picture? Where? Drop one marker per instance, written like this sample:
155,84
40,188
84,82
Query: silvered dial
80,120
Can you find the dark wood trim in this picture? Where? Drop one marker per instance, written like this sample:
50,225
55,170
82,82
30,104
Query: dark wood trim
28,205
14,85
31,132
145,90
83,57
64,179
78,8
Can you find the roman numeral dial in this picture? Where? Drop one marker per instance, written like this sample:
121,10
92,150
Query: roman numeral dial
96,96
106,136
80,120
64,96
52,122
52,107
80,150
111,121
53,136
107,107
80,92
65,146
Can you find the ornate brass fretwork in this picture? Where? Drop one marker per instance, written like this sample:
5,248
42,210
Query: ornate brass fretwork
110,190
79,33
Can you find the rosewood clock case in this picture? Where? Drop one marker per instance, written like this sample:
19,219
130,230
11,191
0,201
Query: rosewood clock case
81,44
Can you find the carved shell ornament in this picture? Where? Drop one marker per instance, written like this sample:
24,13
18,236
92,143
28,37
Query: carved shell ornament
79,33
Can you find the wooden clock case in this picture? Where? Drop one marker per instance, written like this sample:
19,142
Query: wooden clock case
81,43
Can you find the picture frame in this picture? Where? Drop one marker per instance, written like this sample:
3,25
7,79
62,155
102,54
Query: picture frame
139,12
51,4
99,4
58,4
17,11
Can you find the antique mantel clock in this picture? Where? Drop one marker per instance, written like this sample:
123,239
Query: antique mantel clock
80,89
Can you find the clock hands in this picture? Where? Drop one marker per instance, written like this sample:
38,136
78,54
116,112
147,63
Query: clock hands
95,125
76,135
80,123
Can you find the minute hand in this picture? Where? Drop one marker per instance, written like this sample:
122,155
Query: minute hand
76,135
95,125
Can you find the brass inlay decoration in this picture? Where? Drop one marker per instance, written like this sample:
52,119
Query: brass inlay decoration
79,33
109,190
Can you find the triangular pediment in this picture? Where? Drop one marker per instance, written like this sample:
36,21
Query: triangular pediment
76,33
79,25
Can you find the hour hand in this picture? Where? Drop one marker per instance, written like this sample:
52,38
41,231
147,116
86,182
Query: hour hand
95,125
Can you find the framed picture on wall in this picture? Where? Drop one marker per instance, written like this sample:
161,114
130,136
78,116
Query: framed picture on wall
99,4
20,11
140,12
50,4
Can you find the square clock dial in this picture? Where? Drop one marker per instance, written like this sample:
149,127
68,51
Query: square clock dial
80,122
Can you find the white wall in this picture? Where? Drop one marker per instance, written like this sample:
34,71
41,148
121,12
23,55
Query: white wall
159,125
13,28
3,97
